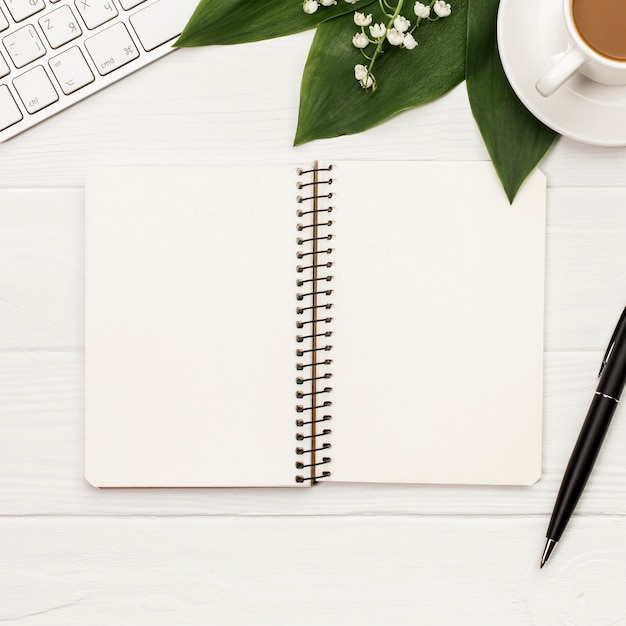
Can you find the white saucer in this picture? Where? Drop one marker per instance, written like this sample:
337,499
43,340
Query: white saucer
531,36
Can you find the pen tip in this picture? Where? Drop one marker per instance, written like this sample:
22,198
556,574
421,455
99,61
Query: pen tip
547,551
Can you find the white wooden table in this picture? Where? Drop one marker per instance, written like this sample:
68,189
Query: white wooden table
336,554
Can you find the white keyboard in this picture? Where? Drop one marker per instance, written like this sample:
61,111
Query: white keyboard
54,53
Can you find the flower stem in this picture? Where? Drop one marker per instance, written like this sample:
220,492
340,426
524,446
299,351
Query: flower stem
381,41
383,4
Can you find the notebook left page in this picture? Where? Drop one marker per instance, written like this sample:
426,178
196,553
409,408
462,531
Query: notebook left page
190,325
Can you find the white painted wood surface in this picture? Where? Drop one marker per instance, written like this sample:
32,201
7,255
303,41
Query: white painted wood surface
365,554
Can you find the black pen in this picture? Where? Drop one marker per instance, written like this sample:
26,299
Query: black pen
612,379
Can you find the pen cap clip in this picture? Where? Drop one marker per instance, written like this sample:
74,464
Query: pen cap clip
621,325
613,378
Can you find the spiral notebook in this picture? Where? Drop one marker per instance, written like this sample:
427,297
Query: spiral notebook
276,326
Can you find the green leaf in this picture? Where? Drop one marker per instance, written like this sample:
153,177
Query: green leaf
515,139
332,102
241,21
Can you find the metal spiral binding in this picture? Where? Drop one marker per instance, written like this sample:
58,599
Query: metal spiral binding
314,322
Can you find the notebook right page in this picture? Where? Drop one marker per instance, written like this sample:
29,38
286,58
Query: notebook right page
438,324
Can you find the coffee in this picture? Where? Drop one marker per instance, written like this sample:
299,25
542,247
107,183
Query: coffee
602,25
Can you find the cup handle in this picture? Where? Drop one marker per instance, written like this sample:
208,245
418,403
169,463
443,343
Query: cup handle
559,72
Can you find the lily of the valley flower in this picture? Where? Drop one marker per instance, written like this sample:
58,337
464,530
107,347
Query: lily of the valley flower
409,41
442,8
421,10
360,41
360,72
360,19
378,30
395,37
310,6
367,82
401,24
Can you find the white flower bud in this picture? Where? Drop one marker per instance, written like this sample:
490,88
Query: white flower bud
360,19
360,41
409,42
351,1
310,6
421,10
401,24
442,8
360,72
395,37
367,82
378,30
327,3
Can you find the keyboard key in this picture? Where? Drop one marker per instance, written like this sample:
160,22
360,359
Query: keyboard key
9,111
159,23
130,4
4,67
21,9
96,12
111,49
71,70
60,26
35,89
4,23
24,46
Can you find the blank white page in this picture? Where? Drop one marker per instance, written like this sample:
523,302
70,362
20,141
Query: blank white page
190,327
438,324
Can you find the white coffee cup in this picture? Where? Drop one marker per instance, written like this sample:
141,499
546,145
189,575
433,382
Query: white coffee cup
580,57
